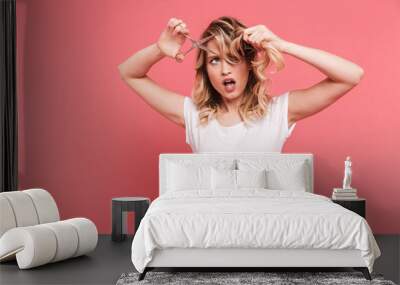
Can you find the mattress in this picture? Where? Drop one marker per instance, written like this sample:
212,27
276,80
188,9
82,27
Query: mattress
250,218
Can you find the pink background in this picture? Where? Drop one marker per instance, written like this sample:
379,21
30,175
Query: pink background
86,137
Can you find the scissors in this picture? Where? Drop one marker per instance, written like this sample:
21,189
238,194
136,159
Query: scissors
195,44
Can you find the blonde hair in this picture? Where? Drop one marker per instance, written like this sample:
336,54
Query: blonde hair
228,33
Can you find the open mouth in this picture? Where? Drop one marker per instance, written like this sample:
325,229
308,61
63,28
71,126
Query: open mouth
228,81
229,84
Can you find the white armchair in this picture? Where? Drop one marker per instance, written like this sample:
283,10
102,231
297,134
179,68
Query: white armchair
31,231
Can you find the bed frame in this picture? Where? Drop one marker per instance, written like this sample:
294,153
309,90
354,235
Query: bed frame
238,258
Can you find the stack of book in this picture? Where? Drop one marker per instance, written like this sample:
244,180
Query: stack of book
344,194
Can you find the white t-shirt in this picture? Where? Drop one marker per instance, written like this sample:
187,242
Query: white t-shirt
265,135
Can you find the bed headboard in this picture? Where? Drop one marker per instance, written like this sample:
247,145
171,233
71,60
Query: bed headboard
226,156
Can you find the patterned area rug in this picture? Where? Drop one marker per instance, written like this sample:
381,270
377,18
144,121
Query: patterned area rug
273,278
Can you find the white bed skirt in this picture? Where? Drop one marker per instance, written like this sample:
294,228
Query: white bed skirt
235,257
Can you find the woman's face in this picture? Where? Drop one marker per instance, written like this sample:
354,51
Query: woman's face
219,71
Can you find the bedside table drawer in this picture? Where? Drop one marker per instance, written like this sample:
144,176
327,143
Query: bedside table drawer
357,206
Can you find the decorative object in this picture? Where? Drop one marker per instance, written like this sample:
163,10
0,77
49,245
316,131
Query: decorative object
344,194
347,192
347,174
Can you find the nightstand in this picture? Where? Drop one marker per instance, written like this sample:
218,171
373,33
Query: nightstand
120,207
356,205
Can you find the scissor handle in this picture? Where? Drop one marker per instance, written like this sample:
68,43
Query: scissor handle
179,57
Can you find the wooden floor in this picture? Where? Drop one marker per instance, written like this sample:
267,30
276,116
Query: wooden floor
111,259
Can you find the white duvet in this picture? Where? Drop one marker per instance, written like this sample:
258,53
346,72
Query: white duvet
250,218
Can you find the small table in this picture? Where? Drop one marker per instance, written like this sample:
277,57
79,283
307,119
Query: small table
120,207
356,205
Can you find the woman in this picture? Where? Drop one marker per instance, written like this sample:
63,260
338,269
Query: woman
230,109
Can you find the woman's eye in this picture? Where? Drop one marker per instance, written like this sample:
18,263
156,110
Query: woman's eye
211,61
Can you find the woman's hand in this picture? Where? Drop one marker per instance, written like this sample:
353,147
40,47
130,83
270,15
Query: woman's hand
261,38
172,38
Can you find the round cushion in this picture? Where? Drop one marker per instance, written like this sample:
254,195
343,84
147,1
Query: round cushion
40,244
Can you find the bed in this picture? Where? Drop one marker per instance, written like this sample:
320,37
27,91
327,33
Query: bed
247,210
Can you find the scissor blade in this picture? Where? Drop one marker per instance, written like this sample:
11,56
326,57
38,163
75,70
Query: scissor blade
202,41
202,46
186,52
199,44
187,36
206,49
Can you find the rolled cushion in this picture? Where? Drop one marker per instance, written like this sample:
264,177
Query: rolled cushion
26,208
24,211
7,218
33,246
46,207
87,233
40,244
67,240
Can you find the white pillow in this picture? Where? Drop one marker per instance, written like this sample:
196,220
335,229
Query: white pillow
281,174
251,178
223,179
236,179
188,177
287,179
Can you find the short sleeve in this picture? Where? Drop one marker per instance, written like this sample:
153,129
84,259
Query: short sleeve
282,107
191,116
